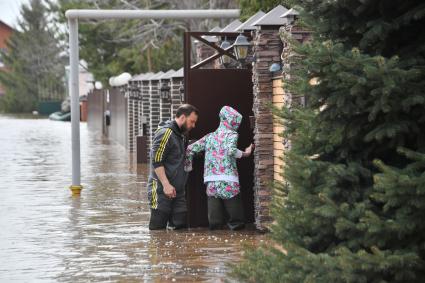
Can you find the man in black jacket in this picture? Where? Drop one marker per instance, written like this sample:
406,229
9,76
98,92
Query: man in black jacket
167,179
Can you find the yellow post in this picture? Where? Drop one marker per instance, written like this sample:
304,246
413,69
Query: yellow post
76,189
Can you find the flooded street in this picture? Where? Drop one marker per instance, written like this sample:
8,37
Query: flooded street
48,236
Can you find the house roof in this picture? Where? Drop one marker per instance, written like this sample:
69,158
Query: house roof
137,77
142,77
290,15
168,74
247,25
148,76
212,38
156,76
232,26
216,29
290,12
7,25
272,18
178,74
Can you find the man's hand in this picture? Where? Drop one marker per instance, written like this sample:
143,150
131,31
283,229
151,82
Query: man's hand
169,190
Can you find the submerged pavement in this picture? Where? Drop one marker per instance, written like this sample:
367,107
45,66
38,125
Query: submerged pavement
46,235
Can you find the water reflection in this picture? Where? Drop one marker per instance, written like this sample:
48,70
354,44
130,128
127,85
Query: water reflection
48,236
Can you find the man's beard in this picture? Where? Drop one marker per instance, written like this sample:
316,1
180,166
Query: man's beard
184,128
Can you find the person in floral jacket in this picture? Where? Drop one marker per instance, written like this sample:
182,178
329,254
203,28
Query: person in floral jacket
220,173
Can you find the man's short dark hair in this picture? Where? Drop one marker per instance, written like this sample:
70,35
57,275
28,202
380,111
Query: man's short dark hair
186,110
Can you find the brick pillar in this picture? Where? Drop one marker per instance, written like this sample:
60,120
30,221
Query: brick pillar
135,119
176,84
154,108
165,104
132,117
139,109
146,110
267,49
130,125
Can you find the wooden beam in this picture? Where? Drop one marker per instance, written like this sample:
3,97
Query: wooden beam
209,59
219,49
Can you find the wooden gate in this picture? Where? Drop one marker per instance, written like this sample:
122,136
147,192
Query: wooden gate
209,90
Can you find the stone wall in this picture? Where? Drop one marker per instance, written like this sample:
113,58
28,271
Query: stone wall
267,49
302,36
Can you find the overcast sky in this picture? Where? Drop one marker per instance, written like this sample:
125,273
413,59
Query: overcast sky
9,11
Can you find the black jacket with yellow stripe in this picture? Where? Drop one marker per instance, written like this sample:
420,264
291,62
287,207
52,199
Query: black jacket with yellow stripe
168,150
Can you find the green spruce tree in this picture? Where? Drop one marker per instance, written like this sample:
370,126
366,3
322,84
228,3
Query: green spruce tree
352,208
35,67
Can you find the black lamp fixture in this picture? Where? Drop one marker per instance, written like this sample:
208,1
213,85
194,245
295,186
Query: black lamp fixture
241,47
181,90
138,90
137,93
130,90
225,59
165,91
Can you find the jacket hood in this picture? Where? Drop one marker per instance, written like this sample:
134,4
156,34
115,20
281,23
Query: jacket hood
170,124
230,118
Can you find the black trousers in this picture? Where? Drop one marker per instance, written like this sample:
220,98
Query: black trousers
160,219
171,213
221,209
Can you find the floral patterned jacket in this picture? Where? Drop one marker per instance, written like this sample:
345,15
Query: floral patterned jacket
220,149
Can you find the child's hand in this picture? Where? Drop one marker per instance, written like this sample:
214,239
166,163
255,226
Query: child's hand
248,150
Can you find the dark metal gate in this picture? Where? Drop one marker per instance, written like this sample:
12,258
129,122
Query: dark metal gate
209,90
96,109
117,130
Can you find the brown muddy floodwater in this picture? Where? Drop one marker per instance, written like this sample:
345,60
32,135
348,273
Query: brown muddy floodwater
48,236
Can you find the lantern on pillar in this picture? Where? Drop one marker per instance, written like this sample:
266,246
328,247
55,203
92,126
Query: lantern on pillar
181,90
225,59
165,91
241,47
